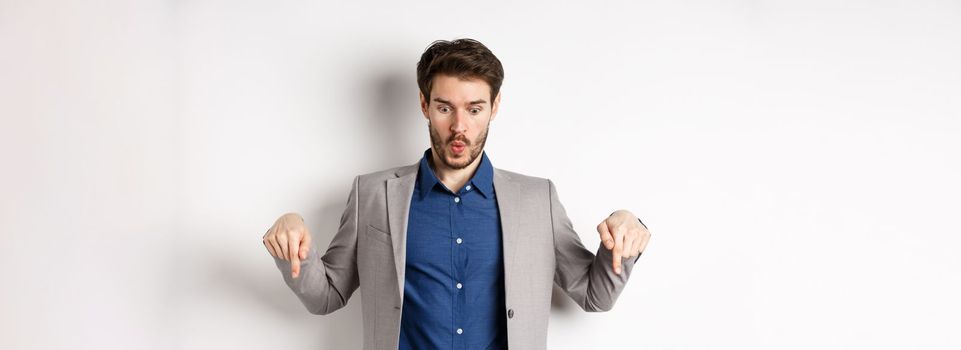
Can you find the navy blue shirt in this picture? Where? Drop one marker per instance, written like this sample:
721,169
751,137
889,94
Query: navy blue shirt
454,279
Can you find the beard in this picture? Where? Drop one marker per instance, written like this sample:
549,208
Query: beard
474,148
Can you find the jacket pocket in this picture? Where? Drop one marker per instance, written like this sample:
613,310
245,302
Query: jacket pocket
378,235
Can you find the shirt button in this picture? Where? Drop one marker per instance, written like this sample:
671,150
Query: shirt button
460,331
468,187
459,286
510,313
456,199
459,241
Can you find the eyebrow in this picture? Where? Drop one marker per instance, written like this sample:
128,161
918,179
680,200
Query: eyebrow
475,102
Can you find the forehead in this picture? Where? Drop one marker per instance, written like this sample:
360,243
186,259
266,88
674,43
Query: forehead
456,90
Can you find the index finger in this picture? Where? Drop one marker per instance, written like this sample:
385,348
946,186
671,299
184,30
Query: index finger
618,249
294,249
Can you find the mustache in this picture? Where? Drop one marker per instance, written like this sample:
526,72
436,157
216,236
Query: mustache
460,138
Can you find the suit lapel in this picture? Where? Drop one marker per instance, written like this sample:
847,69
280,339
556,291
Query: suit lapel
508,199
399,192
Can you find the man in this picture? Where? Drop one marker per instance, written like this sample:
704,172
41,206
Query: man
450,252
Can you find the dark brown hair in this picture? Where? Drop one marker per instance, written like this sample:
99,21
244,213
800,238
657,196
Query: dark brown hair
463,58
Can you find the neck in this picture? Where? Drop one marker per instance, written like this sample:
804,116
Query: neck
454,179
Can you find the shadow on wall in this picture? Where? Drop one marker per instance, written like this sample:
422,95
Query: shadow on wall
393,95
395,118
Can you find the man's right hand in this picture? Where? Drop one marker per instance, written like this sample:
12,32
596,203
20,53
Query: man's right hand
289,239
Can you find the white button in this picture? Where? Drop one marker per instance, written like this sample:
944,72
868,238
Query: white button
460,331
456,199
459,241
468,187
459,286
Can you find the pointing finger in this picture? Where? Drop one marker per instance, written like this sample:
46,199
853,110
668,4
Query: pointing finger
294,246
618,249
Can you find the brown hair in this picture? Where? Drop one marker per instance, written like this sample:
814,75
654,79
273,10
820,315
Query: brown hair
464,58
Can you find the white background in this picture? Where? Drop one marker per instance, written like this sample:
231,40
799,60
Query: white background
796,162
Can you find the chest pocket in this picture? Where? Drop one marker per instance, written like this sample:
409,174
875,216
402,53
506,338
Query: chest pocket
378,235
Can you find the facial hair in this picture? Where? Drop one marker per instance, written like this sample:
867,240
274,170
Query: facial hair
474,148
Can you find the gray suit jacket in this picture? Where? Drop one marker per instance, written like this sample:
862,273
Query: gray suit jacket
540,249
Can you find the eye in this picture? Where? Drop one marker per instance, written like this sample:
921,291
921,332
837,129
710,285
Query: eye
475,110
444,109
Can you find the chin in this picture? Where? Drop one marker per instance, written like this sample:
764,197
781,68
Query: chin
457,164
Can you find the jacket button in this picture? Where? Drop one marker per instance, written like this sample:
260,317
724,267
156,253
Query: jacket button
510,313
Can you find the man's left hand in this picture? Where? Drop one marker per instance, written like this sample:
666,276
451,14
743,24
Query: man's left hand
623,233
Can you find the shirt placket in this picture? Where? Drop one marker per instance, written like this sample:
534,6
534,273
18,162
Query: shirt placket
459,255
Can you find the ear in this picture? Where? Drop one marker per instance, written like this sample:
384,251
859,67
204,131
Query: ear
496,105
424,105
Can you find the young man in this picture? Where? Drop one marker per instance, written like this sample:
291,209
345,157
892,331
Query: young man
450,252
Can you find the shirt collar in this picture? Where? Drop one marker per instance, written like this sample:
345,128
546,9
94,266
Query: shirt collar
482,181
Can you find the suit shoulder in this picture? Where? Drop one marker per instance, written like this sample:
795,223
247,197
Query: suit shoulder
379,176
523,179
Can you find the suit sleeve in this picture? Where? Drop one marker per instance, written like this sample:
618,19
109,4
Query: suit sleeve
326,283
587,278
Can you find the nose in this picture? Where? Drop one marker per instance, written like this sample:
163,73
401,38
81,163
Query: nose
459,123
